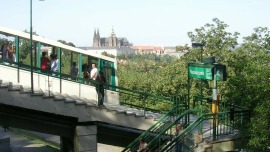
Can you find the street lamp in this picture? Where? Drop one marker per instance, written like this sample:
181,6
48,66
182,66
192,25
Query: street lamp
31,49
199,45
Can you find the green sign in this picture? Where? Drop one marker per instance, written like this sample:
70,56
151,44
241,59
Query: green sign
221,73
200,72
207,71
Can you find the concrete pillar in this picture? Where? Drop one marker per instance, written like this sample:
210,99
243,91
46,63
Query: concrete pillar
85,138
5,145
66,145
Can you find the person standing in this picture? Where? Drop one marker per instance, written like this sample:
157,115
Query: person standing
100,88
11,53
54,66
178,145
94,72
74,71
45,62
143,145
5,52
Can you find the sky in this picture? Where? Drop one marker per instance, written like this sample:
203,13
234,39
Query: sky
142,22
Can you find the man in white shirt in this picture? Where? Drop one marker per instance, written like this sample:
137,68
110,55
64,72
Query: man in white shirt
94,72
54,66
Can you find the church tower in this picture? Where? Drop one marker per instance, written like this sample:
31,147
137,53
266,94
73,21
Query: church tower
96,39
113,39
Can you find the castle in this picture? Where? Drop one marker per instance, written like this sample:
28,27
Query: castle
111,41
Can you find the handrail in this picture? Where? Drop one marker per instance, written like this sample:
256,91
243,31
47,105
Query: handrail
189,129
187,112
82,80
227,104
152,129
193,126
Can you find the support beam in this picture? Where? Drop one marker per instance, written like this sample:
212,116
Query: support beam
39,55
80,65
85,139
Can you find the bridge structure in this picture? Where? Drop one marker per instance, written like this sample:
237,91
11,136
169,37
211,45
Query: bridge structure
60,105
56,104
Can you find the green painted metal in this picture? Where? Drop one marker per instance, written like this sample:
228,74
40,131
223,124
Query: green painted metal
200,73
155,129
17,40
80,65
39,54
59,53
31,49
100,64
153,143
192,128
221,73
113,82
35,56
17,48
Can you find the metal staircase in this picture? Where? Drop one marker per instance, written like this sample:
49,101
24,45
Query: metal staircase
197,134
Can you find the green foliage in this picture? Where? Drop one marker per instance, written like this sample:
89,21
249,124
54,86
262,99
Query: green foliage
108,55
248,73
24,51
66,43
182,48
142,57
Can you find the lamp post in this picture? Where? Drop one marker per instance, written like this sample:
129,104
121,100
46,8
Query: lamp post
201,46
31,49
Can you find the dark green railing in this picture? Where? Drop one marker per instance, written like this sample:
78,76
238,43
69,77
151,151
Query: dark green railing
142,100
164,136
158,128
216,125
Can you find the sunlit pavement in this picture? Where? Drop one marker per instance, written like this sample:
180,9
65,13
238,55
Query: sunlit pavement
22,144
19,143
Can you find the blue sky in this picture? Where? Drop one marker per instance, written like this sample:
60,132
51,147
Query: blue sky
143,22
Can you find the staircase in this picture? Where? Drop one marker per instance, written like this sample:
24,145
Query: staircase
84,109
198,135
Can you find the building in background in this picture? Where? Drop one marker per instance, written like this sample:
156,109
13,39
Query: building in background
111,41
115,51
148,50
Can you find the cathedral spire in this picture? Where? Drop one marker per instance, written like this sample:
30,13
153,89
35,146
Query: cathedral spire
112,30
95,41
98,33
98,37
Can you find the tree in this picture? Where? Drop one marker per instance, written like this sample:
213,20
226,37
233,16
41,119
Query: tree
215,38
182,48
66,43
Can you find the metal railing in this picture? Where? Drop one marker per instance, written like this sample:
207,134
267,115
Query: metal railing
163,125
132,98
215,126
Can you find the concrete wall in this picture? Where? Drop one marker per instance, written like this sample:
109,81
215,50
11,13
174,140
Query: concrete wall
224,145
86,139
5,145
46,83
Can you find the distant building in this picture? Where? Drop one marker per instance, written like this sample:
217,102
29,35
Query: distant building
171,51
47,49
111,41
148,49
115,51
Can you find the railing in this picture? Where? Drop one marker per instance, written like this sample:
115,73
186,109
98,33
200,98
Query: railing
157,130
215,126
143,101
165,136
